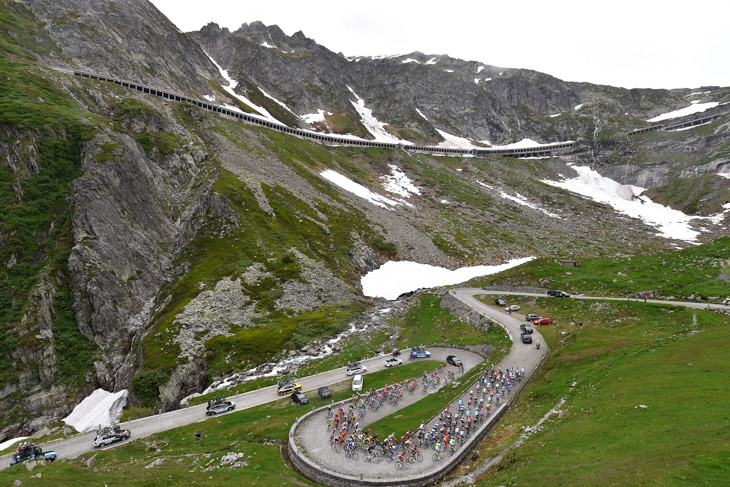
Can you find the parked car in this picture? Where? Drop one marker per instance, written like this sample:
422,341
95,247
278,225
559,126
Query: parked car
287,386
357,383
513,307
324,392
453,360
558,294
531,317
526,338
356,368
500,302
543,321
392,362
299,398
416,353
525,328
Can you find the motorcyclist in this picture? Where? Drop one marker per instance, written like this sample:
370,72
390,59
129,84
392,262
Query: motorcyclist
537,345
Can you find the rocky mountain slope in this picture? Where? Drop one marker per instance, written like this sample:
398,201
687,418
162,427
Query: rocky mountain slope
151,245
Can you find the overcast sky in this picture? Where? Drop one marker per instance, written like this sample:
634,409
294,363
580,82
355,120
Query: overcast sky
629,43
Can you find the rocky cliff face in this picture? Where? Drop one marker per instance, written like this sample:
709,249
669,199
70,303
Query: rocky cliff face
130,39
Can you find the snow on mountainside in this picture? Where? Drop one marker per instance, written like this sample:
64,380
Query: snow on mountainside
627,199
695,107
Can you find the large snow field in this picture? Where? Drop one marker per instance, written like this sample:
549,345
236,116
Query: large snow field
397,277
100,408
625,199
682,112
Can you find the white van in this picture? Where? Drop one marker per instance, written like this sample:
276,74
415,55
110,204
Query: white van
357,383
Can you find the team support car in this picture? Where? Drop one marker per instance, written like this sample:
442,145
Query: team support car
299,398
219,405
324,392
500,302
531,317
419,353
110,434
453,360
355,368
28,451
558,294
513,307
526,338
357,383
525,328
287,386
543,321
392,362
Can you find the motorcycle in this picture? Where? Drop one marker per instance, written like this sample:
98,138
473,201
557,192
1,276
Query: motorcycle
537,345
396,352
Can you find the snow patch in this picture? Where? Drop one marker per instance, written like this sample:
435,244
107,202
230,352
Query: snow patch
421,114
487,79
521,200
682,112
725,175
232,83
479,69
277,102
209,97
433,60
100,408
578,107
625,199
454,142
374,126
398,183
449,70
358,190
314,117
410,60
269,46
525,144
476,80
556,115
397,277
7,443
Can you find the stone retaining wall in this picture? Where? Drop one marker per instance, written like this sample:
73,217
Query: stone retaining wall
465,313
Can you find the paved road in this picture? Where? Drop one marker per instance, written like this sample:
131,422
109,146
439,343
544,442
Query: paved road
76,445
686,304
312,435
520,354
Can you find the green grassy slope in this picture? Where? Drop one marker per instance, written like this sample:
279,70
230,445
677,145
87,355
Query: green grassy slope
628,355
680,273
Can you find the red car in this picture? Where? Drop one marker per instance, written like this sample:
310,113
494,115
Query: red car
543,321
